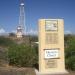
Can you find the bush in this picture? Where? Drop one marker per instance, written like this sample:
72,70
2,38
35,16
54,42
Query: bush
70,52
6,42
22,56
70,63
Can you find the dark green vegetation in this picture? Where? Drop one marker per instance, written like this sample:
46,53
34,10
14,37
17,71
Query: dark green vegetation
70,51
20,54
24,52
6,42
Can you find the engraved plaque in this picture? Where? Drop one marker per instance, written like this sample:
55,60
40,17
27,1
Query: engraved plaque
51,26
51,38
50,63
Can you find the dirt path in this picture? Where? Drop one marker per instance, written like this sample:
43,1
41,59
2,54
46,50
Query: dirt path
16,71
22,71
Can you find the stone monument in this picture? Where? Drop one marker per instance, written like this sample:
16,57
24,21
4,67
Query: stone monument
51,46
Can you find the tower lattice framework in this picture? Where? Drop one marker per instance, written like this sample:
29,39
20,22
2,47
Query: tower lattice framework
21,26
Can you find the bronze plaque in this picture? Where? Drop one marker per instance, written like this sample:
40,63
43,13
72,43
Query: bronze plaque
50,63
51,38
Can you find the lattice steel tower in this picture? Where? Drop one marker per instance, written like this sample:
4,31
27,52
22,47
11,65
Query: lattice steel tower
21,26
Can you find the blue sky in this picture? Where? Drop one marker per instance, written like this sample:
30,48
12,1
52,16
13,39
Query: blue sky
34,10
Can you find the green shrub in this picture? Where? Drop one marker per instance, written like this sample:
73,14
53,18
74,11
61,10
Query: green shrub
22,56
70,52
6,42
70,63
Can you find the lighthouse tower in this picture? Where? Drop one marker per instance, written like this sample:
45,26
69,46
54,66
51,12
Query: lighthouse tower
21,26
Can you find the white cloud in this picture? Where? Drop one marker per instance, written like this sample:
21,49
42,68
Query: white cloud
14,31
68,32
29,32
32,32
2,30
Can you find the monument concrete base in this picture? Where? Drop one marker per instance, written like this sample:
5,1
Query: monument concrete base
51,73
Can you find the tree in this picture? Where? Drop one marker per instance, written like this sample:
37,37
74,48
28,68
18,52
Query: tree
12,34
